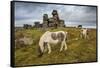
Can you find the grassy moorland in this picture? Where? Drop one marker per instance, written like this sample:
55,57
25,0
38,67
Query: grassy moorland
80,50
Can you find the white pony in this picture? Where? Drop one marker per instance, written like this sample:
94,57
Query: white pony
84,33
52,38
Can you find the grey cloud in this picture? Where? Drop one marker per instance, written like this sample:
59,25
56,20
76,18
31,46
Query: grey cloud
69,13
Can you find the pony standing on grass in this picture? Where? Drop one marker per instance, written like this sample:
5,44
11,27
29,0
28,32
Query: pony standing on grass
52,38
84,33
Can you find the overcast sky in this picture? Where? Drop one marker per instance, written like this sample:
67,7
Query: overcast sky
28,13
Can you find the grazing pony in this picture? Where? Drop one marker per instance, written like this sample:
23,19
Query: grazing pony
52,38
84,33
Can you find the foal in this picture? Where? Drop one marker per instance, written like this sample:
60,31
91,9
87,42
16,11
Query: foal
52,38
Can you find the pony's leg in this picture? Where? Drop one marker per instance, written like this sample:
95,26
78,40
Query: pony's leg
49,48
62,45
45,46
81,35
85,36
65,45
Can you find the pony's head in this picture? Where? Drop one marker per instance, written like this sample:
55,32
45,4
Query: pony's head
41,48
40,52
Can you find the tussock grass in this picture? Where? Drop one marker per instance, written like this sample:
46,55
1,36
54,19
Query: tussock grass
80,50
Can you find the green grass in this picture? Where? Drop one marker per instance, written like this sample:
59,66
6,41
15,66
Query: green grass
80,50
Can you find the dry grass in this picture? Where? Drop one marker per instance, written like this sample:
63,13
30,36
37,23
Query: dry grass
80,50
